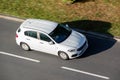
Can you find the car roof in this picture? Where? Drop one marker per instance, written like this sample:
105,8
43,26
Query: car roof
38,24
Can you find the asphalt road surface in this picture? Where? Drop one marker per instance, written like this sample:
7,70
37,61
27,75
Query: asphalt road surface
100,62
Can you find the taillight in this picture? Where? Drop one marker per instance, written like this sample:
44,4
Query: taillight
16,36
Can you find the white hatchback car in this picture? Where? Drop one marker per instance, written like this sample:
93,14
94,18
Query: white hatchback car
51,37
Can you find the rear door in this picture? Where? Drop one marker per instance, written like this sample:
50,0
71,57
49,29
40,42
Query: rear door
31,38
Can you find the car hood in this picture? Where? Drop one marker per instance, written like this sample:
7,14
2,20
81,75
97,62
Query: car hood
75,40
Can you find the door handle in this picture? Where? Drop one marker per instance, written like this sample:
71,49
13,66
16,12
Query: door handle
41,42
27,39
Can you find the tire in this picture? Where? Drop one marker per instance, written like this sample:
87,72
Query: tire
25,47
63,55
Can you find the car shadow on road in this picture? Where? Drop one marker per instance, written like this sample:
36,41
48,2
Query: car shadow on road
97,44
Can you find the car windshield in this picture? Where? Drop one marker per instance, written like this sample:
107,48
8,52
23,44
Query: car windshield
60,33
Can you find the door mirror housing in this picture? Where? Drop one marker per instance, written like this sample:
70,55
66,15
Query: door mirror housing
67,25
51,43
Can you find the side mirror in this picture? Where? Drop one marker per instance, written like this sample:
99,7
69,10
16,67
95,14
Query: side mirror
67,25
51,43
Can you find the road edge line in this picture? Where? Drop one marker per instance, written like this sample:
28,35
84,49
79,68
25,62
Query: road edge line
98,34
11,18
92,33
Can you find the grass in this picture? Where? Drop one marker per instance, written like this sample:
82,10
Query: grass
102,16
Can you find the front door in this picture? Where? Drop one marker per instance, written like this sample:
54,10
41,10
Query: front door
46,44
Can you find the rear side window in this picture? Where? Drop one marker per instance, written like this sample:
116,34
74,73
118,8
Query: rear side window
32,34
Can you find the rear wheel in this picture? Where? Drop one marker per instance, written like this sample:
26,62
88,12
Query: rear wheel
25,47
63,55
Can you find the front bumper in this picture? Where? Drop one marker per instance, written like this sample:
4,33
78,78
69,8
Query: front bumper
80,52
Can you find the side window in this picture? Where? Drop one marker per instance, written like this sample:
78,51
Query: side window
44,37
32,34
26,33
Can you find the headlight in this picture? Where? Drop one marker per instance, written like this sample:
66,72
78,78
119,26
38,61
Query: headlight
71,50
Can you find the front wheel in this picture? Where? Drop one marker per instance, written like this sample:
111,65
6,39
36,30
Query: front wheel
63,55
25,46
